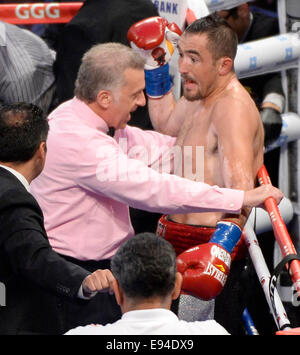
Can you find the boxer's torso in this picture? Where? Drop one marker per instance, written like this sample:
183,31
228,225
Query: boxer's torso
199,130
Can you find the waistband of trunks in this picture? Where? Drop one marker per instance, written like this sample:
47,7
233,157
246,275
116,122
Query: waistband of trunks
184,236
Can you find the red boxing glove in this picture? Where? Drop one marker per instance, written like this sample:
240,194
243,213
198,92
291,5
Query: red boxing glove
205,269
154,38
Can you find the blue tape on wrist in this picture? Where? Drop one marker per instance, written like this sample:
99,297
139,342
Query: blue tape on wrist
227,235
158,81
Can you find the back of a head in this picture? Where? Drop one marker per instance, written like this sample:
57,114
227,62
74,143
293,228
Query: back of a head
145,267
23,127
102,68
222,40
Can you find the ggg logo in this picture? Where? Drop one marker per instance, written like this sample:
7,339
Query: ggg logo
37,11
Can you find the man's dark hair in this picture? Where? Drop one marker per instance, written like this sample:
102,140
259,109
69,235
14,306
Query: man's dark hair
233,12
23,127
222,40
145,266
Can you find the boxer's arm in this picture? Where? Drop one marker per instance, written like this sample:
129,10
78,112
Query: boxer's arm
151,147
167,115
236,128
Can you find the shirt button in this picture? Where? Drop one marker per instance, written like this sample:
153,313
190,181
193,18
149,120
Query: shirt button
231,205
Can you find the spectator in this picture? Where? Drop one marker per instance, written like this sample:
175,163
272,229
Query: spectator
26,65
36,279
146,283
51,33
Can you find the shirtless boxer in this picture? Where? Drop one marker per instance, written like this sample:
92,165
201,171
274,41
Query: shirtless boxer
215,112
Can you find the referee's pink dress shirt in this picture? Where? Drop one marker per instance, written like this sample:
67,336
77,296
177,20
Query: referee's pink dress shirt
90,179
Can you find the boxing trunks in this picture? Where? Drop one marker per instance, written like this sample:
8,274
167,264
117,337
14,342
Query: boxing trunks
184,236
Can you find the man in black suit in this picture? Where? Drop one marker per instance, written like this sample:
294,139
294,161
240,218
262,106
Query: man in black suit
36,280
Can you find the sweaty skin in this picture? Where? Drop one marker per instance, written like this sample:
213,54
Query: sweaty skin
215,112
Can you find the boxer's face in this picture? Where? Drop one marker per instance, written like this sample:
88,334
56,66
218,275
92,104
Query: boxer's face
128,98
196,66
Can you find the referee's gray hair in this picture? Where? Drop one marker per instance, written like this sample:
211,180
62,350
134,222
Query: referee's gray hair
102,68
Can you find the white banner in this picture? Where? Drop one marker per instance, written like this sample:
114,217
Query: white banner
172,10
179,11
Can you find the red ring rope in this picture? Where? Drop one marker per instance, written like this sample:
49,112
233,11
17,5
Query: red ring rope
280,231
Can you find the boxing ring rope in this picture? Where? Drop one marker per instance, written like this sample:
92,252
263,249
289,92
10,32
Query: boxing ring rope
290,131
268,55
289,256
273,54
262,271
280,231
